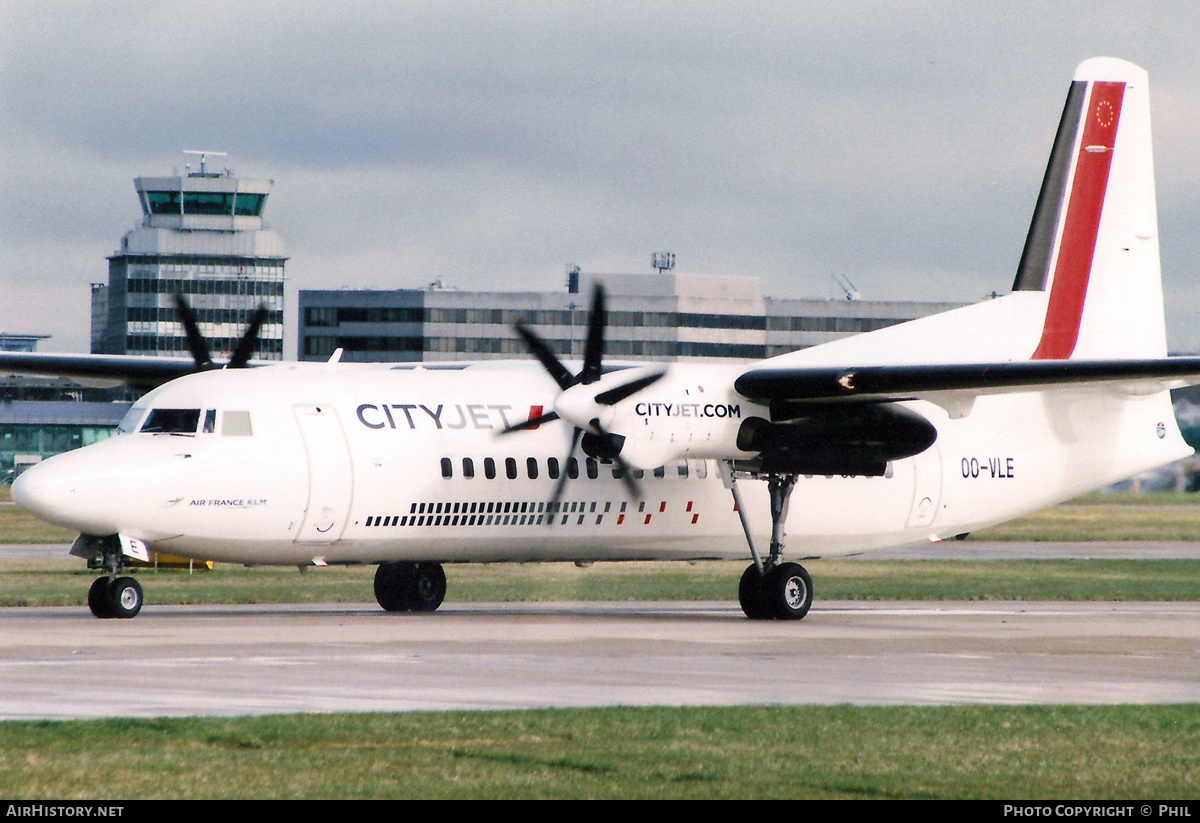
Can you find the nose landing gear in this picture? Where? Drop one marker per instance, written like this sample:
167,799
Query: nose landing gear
114,594
115,597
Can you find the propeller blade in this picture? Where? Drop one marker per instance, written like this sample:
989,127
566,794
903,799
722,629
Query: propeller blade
593,359
615,395
552,506
626,473
631,484
195,340
248,343
548,359
593,353
532,423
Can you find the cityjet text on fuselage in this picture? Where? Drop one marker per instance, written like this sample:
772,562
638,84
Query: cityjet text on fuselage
442,416
711,410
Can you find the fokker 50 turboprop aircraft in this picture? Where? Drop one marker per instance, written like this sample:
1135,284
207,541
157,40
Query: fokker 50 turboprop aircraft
921,431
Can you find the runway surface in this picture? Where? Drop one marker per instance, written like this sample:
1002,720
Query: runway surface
61,663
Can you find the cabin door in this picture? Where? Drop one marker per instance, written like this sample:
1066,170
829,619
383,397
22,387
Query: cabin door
330,479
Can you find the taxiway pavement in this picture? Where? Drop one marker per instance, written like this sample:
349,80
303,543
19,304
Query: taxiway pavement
62,663
240,660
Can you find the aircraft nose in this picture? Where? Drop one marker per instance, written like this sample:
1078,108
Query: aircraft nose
58,493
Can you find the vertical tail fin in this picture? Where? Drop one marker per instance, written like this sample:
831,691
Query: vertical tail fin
1093,243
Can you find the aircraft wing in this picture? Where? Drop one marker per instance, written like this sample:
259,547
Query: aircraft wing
810,384
105,368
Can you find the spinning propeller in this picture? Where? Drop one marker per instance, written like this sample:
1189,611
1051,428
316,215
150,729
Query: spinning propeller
580,404
198,347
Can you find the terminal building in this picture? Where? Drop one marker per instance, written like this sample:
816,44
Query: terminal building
653,316
21,342
41,416
202,235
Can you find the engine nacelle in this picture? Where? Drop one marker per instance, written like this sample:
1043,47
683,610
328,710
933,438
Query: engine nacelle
854,440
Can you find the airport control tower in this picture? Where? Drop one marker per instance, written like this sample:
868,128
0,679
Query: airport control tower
202,235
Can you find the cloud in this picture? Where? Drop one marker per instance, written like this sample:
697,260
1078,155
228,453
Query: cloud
498,142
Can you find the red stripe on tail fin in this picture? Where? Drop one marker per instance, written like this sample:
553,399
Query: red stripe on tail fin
1081,223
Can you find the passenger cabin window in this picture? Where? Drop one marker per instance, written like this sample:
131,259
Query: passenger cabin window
236,424
172,421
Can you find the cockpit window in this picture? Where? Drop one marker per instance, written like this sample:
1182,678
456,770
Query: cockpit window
236,424
172,421
129,422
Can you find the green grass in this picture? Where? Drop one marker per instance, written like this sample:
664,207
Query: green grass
1010,753
63,582
1103,520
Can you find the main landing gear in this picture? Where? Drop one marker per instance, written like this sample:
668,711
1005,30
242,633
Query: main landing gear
410,587
771,589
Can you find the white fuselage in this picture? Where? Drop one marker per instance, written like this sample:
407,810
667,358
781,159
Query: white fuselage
344,463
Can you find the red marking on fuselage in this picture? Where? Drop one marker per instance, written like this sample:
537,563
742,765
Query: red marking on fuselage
534,413
1081,224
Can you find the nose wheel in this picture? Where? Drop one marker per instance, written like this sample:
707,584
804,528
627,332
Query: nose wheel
119,597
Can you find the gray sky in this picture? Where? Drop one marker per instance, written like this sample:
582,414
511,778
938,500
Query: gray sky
494,144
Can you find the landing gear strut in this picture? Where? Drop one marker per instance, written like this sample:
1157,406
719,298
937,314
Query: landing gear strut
114,595
771,589
410,587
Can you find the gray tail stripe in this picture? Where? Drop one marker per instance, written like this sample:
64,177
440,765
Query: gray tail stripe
1033,273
